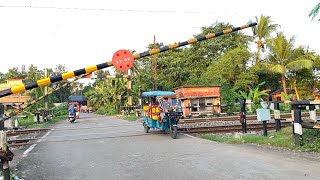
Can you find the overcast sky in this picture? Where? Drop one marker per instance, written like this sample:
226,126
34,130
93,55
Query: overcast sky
81,33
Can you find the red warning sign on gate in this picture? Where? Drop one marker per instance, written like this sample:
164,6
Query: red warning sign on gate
122,60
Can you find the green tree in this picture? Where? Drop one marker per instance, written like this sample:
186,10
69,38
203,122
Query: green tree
314,12
63,94
2,78
14,73
230,68
282,58
201,55
34,74
263,31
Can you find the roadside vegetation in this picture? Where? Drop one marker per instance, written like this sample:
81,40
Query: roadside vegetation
282,139
60,113
130,117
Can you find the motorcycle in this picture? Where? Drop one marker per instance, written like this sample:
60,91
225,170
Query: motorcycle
72,117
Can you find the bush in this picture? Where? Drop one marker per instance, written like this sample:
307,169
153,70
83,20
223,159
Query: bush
311,140
60,110
107,110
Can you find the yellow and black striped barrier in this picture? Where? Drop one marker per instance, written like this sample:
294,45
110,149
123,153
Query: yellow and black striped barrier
24,106
46,81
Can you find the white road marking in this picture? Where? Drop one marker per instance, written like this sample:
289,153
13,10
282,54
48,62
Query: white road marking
25,153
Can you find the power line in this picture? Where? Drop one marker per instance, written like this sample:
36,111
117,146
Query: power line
111,10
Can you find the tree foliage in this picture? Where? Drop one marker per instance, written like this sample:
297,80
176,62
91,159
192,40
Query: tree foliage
314,12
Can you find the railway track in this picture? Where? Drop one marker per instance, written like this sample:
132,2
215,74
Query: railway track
235,118
230,128
26,131
209,129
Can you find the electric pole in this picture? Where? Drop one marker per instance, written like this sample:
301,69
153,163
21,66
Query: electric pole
46,91
155,86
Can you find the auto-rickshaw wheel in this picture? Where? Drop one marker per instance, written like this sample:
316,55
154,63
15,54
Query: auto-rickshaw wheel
146,128
174,132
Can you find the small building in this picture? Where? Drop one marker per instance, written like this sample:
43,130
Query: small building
199,100
276,95
14,99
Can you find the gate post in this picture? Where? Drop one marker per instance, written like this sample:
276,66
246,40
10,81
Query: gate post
243,118
313,113
277,119
297,128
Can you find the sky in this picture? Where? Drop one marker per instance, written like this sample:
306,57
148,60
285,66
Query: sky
81,33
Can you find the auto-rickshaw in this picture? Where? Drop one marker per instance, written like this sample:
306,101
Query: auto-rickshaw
162,110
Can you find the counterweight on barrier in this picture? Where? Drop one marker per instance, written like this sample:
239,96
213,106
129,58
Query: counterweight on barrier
46,81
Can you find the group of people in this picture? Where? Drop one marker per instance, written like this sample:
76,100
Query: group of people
86,109
77,108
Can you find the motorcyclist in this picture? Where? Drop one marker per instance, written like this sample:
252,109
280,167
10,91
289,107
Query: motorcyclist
72,109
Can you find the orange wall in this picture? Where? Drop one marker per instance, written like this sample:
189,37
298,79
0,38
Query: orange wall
187,92
14,99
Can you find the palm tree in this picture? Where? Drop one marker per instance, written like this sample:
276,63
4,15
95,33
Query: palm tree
314,12
263,31
283,58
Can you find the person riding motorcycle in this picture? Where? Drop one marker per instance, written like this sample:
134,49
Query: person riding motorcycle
72,110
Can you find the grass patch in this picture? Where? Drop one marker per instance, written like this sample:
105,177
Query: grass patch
29,123
283,139
130,117
225,139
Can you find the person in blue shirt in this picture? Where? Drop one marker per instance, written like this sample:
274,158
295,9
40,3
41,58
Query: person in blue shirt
72,109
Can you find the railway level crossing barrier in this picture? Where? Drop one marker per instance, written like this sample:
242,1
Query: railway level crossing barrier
24,106
90,69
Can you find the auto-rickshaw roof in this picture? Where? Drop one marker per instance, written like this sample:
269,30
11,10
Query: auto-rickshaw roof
158,93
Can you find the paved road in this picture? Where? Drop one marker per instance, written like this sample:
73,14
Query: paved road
106,148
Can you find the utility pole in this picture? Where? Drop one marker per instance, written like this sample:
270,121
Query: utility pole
46,91
129,88
155,85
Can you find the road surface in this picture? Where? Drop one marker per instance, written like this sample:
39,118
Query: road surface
106,148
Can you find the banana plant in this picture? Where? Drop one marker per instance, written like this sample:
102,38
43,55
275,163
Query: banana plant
254,95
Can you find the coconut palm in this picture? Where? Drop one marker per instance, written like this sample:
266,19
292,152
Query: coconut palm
283,58
314,12
263,31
